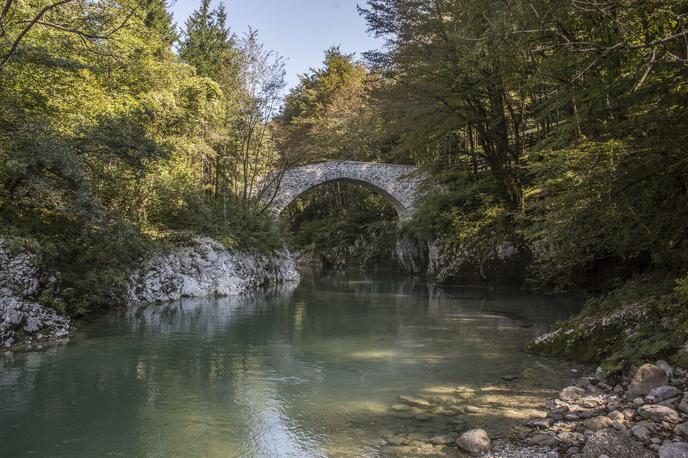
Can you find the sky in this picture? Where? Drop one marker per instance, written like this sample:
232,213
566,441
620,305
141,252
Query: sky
298,30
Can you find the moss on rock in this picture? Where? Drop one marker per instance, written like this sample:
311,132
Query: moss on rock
615,331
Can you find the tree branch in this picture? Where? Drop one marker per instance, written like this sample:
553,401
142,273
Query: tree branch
29,26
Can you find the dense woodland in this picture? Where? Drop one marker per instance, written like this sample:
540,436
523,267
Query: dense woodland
559,125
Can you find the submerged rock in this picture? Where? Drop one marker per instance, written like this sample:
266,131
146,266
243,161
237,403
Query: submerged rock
415,402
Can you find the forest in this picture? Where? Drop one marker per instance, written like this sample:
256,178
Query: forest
557,126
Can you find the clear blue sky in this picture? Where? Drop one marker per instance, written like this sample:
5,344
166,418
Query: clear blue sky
298,30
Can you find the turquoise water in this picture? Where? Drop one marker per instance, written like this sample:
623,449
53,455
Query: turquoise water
311,370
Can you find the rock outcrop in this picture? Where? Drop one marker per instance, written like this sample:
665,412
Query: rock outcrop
206,268
503,263
411,254
24,323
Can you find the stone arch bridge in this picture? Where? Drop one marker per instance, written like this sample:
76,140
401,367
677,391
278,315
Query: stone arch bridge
399,184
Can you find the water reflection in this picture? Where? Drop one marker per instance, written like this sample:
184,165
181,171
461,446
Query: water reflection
310,371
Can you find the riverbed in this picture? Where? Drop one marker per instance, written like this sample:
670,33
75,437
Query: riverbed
309,370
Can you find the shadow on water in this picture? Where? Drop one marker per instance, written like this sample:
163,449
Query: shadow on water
311,370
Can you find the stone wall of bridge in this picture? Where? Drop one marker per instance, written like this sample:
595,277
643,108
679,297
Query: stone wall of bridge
399,184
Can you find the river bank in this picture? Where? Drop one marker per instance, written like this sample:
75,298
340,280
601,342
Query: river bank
598,418
644,414
198,268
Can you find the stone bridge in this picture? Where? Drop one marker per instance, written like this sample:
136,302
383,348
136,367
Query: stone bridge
399,184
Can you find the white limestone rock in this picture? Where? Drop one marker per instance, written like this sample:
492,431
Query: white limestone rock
206,268
24,323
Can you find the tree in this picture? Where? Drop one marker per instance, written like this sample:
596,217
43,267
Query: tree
262,86
331,114
92,22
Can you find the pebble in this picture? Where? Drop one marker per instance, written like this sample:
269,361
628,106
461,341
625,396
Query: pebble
443,440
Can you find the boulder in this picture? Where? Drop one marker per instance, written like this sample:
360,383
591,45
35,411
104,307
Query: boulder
683,406
663,392
571,393
641,432
666,367
613,443
26,324
474,441
681,430
659,413
674,450
597,423
647,377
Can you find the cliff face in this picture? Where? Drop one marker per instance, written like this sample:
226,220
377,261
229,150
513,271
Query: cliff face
503,264
206,268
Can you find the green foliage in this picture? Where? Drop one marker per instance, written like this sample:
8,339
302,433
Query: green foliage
111,145
331,113
603,200
344,226
566,120
681,289
643,320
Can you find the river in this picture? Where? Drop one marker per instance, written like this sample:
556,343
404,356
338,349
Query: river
313,370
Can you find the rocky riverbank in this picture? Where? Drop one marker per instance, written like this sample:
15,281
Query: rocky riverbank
501,263
24,323
201,268
643,415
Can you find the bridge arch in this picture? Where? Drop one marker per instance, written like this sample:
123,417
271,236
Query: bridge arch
398,184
